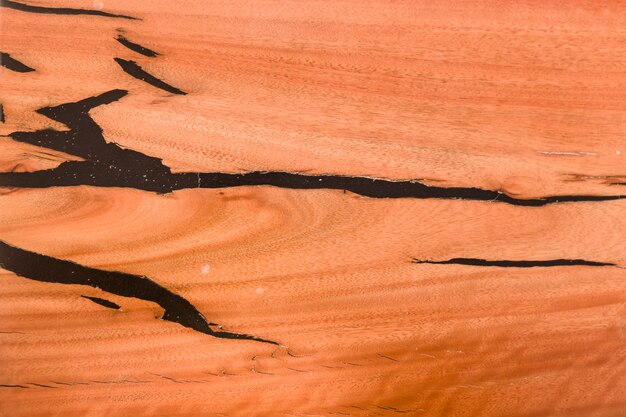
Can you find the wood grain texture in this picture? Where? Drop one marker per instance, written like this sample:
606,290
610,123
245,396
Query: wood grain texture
523,98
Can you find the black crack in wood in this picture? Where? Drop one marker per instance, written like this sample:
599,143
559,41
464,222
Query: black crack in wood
7,61
136,47
515,264
1,113
109,165
176,309
102,302
134,70
59,10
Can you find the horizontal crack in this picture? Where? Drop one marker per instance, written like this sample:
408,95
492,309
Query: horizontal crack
177,309
515,264
59,10
109,165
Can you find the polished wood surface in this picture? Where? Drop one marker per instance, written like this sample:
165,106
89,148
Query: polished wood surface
524,98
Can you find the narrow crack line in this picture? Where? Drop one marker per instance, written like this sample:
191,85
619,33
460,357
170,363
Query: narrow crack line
176,309
515,264
256,371
299,370
41,385
70,383
9,4
383,408
138,381
388,357
103,302
13,386
178,381
77,383
169,378
134,70
136,47
107,382
107,164
7,61
355,406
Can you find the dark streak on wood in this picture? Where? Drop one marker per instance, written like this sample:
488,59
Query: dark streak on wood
515,264
102,302
9,4
108,165
177,309
134,70
136,47
7,61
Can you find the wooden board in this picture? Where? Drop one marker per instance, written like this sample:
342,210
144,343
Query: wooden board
312,208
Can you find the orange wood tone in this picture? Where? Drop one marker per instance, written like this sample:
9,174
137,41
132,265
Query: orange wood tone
523,97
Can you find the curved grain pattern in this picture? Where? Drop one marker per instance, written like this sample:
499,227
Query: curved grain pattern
379,306
330,276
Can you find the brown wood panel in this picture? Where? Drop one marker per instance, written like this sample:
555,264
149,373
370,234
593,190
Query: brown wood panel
372,302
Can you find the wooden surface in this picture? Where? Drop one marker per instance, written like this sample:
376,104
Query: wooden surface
522,97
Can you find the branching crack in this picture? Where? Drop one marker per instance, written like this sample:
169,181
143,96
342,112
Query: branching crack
176,309
109,165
